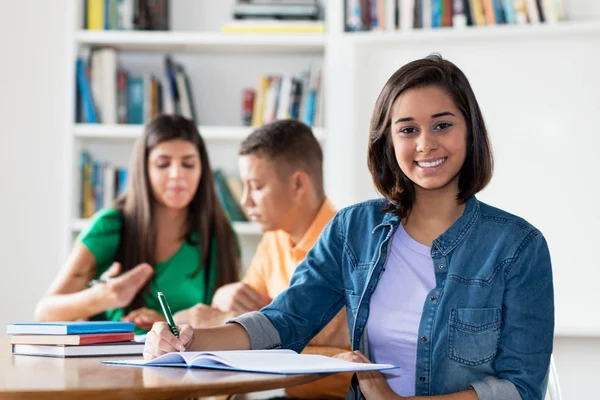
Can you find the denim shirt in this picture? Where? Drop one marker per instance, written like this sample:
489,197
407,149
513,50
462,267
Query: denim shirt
488,324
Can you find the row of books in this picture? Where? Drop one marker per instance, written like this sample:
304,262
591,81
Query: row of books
108,94
74,339
411,14
126,14
101,184
273,26
283,97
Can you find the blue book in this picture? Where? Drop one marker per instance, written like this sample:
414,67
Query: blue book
69,328
85,93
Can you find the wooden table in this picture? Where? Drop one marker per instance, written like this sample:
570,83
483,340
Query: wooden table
28,377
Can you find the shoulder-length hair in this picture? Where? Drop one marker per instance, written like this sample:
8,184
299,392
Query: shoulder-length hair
388,178
206,221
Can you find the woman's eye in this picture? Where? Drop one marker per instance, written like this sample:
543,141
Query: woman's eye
162,166
442,126
408,130
188,166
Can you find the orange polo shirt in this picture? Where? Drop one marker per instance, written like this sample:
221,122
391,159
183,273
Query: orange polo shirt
270,273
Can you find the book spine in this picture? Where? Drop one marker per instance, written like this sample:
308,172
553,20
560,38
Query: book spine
95,15
248,96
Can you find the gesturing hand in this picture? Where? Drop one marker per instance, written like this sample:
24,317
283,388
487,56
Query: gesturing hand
239,298
143,317
121,289
372,383
160,340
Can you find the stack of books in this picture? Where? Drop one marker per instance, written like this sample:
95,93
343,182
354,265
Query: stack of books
74,339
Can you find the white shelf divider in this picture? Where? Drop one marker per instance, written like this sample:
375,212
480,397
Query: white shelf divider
241,228
131,132
203,41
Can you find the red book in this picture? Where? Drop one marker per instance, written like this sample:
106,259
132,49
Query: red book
74,340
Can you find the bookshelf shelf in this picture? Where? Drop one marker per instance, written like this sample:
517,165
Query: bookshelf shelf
241,228
201,41
470,34
131,132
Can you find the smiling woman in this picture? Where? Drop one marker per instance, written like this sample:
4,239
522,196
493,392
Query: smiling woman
167,233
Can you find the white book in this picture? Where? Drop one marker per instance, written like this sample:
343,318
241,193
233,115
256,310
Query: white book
167,97
532,11
283,106
426,13
550,11
109,185
264,361
390,15
407,14
109,85
184,101
125,14
109,349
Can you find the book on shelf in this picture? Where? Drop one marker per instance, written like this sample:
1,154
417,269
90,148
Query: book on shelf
366,15
101,184
109,94
286,96
286,362
69,327
103,349
273,26
230,195
126,15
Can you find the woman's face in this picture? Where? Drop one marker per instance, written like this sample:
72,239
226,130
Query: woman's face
174,172
429,135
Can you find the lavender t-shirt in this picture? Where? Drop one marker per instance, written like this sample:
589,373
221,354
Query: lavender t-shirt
396,308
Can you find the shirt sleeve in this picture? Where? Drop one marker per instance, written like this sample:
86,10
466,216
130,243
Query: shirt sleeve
257,271
102,237
527,332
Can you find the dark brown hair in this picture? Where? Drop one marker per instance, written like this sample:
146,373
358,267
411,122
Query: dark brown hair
388,178
206,220
291,144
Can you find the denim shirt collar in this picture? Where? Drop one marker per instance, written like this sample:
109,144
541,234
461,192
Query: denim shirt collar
448,240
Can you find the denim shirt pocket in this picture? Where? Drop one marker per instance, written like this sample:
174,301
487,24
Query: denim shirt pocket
352,299
473,334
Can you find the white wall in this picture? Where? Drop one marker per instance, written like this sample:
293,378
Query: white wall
33,111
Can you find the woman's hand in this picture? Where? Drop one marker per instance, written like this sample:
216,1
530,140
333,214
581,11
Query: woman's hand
160,340
144,317
239,298
119,290
372,384
202,316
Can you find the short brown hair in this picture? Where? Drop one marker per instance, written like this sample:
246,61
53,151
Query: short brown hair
288,142
388,178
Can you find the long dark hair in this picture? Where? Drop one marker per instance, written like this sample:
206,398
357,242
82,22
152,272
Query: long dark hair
388,178
205,220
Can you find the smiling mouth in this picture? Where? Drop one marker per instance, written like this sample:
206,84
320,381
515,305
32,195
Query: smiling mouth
431,163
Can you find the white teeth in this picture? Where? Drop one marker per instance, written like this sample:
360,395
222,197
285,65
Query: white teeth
435,163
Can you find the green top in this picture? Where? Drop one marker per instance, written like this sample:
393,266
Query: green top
172,277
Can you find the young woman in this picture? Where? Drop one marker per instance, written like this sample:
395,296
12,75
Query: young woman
457,293
166,233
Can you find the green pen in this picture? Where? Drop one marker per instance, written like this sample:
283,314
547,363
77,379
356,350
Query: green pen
167,311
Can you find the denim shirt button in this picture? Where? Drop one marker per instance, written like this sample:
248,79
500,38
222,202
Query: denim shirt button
422,378
423,338
432,298
442,266
358,328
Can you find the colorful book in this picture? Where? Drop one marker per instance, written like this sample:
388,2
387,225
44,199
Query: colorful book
73,340
69,328
107,349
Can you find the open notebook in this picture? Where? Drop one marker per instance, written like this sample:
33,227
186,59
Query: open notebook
265,361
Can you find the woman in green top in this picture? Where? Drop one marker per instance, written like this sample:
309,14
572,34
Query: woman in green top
167,233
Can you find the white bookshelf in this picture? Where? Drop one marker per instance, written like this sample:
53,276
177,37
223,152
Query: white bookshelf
130,132
216,42
474,33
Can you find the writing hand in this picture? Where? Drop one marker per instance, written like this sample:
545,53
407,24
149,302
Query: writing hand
372,383
160,340
202,316
121,289
143,317
239,298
